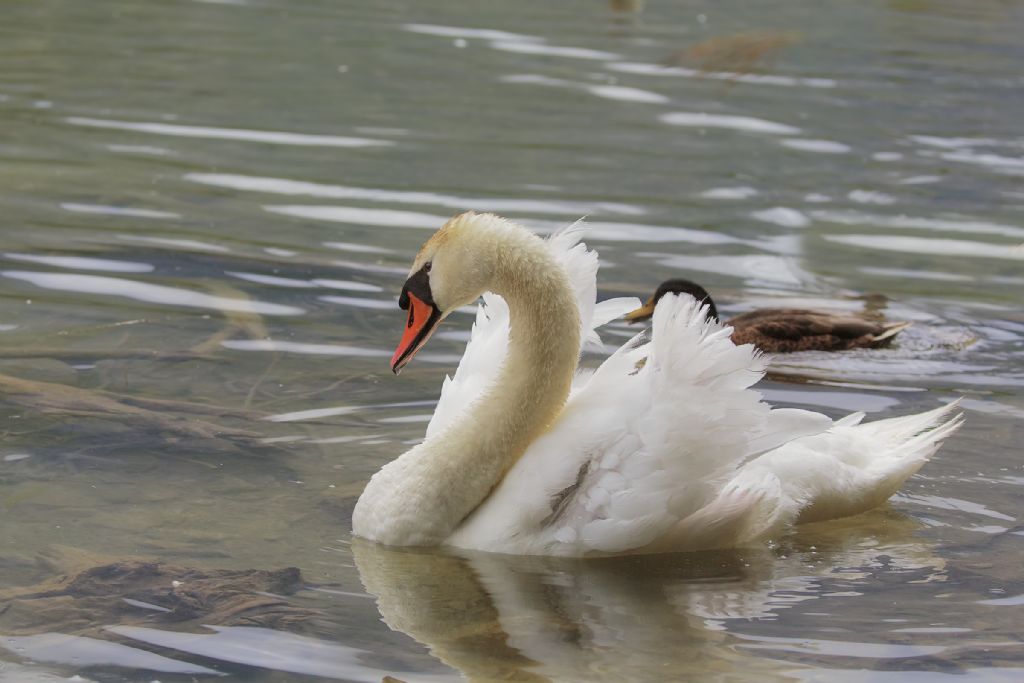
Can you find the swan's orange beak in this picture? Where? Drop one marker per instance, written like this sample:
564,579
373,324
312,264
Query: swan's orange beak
641,314
421,323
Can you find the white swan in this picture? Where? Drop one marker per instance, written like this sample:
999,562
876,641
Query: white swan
680,454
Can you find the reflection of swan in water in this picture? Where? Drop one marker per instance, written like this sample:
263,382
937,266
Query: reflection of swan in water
508,618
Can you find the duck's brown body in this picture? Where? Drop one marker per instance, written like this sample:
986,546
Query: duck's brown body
786,330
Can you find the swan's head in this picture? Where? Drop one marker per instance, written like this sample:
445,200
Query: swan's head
676,286
452,269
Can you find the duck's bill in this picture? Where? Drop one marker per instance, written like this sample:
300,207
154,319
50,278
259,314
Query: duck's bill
641,314
421,323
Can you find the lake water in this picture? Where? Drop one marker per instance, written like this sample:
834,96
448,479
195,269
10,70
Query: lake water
208,209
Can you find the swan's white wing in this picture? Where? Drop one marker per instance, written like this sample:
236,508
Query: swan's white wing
667,447
681,454
847,470
488,342
640,446
479,365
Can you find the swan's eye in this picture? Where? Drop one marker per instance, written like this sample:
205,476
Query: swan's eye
427,266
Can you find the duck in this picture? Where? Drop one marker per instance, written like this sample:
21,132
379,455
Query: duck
527,453
784,330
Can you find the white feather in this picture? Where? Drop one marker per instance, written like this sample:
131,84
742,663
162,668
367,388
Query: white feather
682,454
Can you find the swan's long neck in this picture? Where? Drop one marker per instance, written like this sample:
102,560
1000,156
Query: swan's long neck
420,498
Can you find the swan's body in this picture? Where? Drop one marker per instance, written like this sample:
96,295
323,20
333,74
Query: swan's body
785,330
679,454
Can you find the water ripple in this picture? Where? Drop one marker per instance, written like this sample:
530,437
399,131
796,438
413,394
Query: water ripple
931,245
173,242
302,348
83,263
461,32
747,124
685,72
839,648
360,216
609,92
116,211
535,48
325,191
753,268
819,146
361,302
80,651
263,647
918,223
741,192
269,137
146,292
784,216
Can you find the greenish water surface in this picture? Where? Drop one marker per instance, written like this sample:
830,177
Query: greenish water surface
207,210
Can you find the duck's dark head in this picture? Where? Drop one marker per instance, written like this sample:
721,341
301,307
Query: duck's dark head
674,286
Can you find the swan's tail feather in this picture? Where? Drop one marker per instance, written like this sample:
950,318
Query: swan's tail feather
904,429
887,453
920,447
